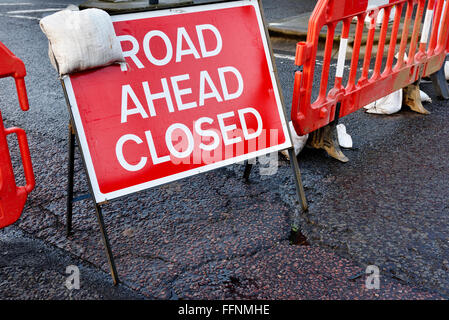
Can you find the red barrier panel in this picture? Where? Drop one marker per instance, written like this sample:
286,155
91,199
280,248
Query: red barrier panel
367,85
11,66
13,197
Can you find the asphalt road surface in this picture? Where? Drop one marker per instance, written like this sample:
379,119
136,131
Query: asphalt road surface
215,236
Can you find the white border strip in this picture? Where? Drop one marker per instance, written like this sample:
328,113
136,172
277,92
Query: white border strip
101,197
341,58
426,27
442,17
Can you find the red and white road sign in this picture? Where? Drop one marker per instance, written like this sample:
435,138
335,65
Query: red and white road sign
198,92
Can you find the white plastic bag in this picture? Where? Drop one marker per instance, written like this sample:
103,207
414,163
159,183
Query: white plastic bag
298,141
81,40
389,104
425,97
344,139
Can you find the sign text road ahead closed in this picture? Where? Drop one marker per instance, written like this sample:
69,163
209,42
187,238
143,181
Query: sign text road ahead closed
198,92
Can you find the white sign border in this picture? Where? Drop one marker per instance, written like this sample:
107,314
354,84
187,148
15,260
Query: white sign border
103,197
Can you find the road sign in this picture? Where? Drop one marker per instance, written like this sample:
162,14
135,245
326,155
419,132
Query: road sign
198,92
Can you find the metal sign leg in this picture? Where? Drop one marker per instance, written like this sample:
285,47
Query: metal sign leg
98,210
107,245
298,181
71,165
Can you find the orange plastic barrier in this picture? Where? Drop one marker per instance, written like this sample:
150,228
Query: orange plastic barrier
13,197
11,66
413,22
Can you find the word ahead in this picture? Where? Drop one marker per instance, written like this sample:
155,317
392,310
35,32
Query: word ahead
198,92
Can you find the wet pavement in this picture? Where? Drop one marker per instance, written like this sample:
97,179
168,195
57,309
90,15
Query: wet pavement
213,235
32,269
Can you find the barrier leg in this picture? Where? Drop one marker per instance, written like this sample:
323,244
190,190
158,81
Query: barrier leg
326,138
440,84
106,244
412,98
70,170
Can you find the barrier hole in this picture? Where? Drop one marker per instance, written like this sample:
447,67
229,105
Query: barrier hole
388,44
334,57
16,159
360,51
319,63
370,42
349,51
413,44
443,5
404,38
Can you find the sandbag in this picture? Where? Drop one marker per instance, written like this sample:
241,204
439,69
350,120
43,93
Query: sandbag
389,104
424,97
392,103
298,141
344,139
81,40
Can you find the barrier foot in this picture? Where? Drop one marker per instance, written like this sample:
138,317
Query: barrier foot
440,84
107,245
70,170
326,138
412,98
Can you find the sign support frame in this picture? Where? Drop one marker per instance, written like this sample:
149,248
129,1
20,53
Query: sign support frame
73,137
291,151
98,209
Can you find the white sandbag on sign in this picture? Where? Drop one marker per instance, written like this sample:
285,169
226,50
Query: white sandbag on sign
81,40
